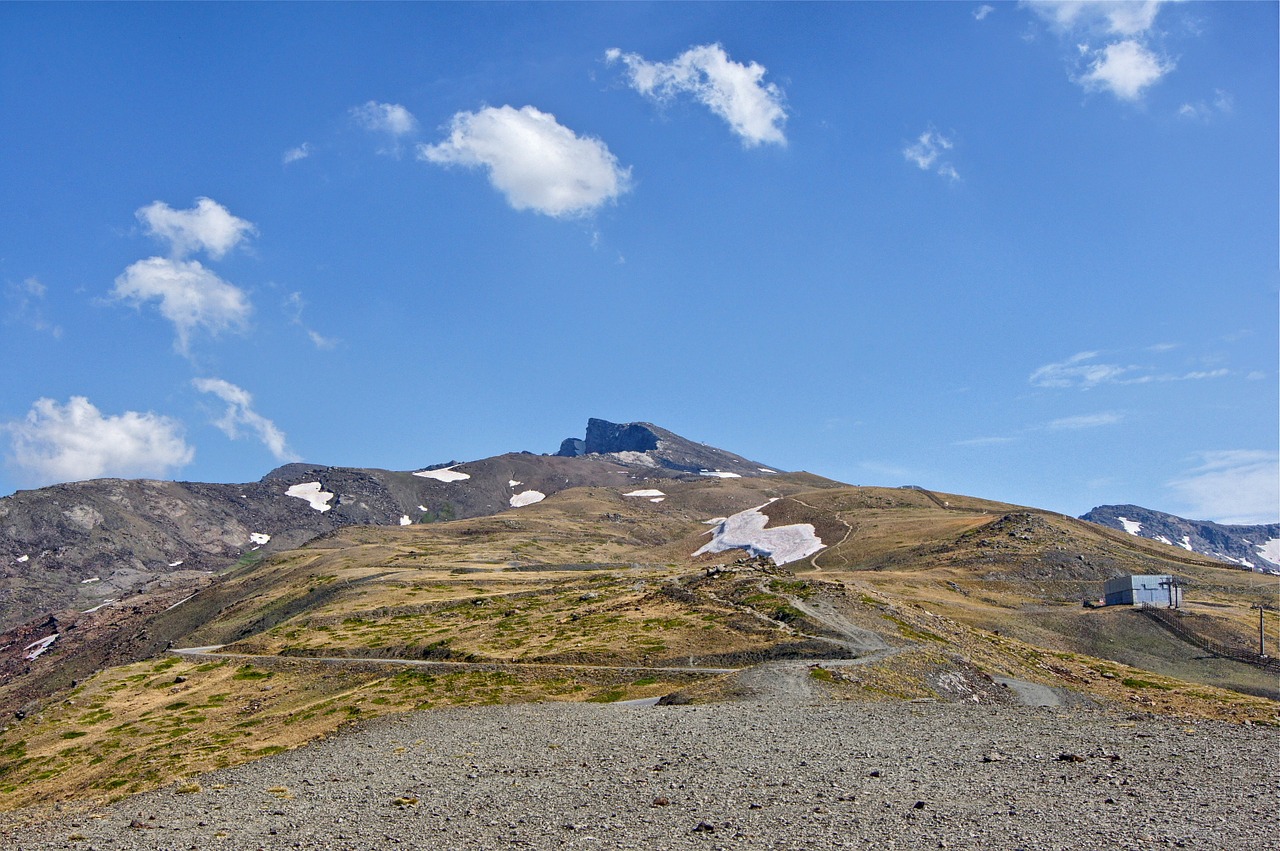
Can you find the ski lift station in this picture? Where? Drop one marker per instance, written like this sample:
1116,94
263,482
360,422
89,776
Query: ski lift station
1155,590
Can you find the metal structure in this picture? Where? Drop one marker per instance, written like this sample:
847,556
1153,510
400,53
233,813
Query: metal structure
1152,590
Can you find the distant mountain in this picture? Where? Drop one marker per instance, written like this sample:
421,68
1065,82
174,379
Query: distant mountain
1251,547
85,543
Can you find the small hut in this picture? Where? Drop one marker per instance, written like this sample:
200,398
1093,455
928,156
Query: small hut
1155,590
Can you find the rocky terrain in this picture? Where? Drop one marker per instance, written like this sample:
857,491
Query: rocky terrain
749,774
1251,547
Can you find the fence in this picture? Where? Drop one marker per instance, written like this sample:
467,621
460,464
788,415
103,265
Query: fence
1172,620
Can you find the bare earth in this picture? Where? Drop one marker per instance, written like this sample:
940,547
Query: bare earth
804,773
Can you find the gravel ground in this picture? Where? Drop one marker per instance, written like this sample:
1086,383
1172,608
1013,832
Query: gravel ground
734,775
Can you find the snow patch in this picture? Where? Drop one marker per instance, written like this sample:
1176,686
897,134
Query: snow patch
259,538
514,484
1270,551
101,605
746,530
646,492
311,492
448,474
1186,543
715,521
38,647
175,563
1162,539
766,470
23,558
404,520
720,475
87,581
179,603
658,499
527,498
1131,526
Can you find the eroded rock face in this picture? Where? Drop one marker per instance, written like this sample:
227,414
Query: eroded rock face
604,436
572,447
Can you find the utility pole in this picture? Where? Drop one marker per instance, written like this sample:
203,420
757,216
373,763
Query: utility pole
1262,635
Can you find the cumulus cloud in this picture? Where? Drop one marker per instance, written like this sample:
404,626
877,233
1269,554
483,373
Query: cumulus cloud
1125,64
731,90
189,295
240,414
73,442
927,152
1232,486
390,118
1125,68
207,227
533,160
299,153
1085,421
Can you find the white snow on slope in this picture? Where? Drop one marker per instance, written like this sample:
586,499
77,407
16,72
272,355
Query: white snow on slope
91,579
1162,539
720,475
746,530
311,492
512,483
101,605
658,499
23,558
714,521
404,520
259,538
1270,550
1186,543
1131,526
646,492
767,470
527,498
448,474
38,647
175,563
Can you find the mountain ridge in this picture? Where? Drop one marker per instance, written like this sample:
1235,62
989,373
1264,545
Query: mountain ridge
1252,547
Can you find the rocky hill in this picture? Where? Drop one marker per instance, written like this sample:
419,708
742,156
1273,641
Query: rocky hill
86,543
1251,547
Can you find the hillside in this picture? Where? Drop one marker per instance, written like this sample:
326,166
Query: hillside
626,580
1251,547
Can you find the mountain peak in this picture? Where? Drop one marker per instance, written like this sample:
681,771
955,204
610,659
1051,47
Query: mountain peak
649,445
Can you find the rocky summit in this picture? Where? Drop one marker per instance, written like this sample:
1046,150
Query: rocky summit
1254,547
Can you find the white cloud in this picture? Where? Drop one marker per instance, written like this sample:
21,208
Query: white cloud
208,227
731,90
299,153
56,443
190,296
1125,68
1077,371
1081,371
1085,421
240,412
537,163
294,304
1232,486
984,441
928,150
1109,17
1223,104
982,11
390,118
27,306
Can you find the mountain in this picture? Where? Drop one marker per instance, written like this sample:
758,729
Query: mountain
86,543
1251,547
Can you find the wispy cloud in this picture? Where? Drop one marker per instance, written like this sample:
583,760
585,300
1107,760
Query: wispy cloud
294,305
1083,421
985,441
299,153
26,306
390,120
534,161
240,414
1083,371
928,151
733,91
1232,486
76,441
982,11
1222,104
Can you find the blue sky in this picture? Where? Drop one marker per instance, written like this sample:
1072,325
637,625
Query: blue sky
1026,252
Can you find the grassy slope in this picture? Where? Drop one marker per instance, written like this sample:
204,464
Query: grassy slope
964,588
